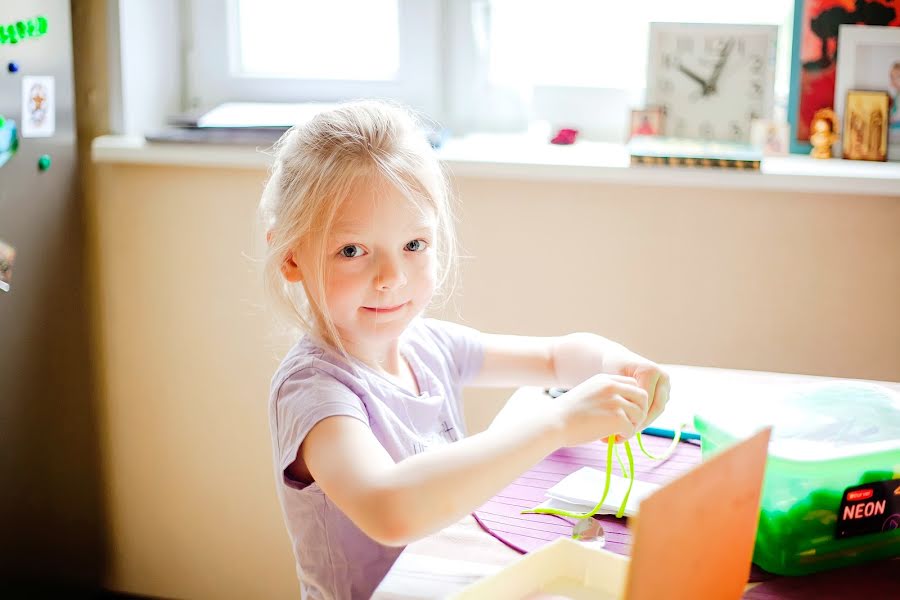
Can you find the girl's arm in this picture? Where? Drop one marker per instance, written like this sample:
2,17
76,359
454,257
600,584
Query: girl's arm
395,503
566,361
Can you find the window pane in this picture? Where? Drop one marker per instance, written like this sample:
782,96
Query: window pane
318,39
604,44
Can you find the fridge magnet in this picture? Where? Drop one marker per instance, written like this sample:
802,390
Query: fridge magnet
9,140
7,255
38,107
13,33
866,125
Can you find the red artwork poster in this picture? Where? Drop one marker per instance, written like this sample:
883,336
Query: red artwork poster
818,48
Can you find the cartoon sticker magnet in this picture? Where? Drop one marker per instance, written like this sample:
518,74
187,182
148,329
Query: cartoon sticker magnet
7,256
9,140
38,107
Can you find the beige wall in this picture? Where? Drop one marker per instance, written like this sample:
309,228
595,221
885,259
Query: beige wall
770,281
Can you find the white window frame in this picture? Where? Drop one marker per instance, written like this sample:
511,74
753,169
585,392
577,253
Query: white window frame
211,79
444,58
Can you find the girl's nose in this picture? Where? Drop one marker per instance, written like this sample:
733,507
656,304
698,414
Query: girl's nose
390,274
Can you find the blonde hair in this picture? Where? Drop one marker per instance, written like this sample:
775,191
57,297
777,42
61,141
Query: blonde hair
317,166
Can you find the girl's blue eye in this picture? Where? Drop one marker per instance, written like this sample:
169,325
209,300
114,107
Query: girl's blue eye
416,245
351,251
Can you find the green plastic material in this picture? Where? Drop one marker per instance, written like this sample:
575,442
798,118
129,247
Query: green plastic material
44,162
826,438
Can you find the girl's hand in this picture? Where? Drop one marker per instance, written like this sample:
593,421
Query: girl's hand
601,406
649,376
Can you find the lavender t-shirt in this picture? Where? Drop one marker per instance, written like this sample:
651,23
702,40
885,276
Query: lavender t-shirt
335,559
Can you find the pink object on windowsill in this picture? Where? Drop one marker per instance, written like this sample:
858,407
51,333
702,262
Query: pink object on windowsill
565,137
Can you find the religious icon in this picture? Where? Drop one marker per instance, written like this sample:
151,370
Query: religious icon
866,125
824,127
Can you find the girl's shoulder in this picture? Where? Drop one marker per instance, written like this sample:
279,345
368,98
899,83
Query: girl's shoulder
429,328
307,358
445,341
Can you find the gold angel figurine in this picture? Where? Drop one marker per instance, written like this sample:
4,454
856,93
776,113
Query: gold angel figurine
824,129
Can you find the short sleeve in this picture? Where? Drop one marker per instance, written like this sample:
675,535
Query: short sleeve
462,346
304,398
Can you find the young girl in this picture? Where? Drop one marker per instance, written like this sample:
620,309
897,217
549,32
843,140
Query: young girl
365,410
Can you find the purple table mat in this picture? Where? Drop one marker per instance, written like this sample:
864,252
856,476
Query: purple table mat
500,516
524,533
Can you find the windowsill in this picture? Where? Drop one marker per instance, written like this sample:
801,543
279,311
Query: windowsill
519,157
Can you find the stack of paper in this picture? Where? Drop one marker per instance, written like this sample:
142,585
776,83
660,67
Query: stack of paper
582,490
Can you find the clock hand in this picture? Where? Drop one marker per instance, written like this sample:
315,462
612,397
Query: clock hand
717,70
693,76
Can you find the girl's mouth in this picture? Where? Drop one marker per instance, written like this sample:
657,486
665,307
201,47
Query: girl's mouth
386,309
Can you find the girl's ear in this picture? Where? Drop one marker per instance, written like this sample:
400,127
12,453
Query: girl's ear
290,269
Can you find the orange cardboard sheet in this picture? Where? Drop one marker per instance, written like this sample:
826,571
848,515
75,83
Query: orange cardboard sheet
694,537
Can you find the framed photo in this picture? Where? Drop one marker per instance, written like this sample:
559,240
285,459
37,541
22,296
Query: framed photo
866,125
814,54
648,121
770,136
870,60
7,257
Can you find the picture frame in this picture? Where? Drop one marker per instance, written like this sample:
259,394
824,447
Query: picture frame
647,121
870,60
770,136
866,125
813,63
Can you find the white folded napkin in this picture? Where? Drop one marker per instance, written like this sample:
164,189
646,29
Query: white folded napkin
583,489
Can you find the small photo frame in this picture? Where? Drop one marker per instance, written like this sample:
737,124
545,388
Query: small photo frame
870,60
772,137
647,121
7,257
866,125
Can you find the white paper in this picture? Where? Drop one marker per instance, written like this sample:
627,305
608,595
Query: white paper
557,504
38,106
584,488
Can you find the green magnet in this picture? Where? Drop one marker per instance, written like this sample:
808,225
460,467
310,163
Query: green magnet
12,33
44,162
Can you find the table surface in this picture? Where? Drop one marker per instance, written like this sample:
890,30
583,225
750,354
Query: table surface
448,561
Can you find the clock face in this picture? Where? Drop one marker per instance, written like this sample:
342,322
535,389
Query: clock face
712,80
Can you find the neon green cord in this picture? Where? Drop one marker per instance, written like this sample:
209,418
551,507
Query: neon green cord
621,464
668,451
629,474
578,515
